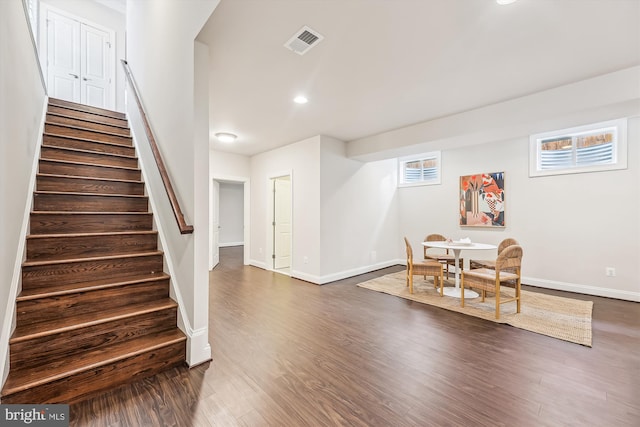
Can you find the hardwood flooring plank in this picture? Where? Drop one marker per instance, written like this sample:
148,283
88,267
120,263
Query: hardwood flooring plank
290,353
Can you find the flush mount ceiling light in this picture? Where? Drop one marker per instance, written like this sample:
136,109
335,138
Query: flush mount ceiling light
226,137
505,1
300,99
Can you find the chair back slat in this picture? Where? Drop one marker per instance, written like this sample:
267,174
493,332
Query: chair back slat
510,257
409,252
506,243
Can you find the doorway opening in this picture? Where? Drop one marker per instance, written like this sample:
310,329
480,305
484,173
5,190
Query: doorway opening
229,217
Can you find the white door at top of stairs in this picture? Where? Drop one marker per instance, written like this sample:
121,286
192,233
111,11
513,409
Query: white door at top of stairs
79,59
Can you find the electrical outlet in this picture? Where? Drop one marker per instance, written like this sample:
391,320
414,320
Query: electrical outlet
610,271
305,260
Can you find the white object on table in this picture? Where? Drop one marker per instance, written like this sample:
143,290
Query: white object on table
456,247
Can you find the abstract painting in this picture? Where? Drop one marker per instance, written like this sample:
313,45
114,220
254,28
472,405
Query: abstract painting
482,200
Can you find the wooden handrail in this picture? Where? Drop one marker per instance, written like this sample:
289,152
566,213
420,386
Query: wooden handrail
175,205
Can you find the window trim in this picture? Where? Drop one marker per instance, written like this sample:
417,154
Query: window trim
619,149
402,161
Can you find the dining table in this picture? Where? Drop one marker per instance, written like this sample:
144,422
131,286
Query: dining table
458,246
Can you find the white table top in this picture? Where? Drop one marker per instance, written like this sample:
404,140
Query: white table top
454,245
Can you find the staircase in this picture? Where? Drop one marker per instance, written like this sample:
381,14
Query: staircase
94,311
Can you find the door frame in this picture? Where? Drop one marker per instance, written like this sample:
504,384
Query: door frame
43,48
269,260
246,214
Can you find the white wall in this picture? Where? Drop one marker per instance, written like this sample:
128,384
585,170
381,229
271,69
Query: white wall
302,161
174,90
345,217
231,214
359,213
106,17
22,103
228,166
236,168
571,226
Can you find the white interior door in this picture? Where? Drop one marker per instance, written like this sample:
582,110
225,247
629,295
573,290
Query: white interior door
79,60
282,222
215,224
63,57
94,67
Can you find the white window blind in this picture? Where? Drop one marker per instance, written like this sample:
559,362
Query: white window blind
600,146
423,169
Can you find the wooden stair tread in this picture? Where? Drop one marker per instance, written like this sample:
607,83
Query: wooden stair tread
84,320
76,138
90,178
89,164
88,213
88,259
86,108
23,379
89,234
101,132
121,126
59,290
97,153
65,193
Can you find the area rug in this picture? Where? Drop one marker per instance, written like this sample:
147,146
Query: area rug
563,318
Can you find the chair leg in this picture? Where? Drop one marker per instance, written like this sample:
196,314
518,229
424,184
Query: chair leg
462,291
441,285
411,284
518,295
497,300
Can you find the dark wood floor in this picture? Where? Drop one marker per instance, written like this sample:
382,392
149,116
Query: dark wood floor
289,353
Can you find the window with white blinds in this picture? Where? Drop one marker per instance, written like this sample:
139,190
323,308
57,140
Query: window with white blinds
423,169
596,147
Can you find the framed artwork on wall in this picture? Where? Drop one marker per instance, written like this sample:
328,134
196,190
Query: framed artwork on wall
482,200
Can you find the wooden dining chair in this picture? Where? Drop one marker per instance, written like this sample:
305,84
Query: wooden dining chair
491,263
436,254
423,268
486,279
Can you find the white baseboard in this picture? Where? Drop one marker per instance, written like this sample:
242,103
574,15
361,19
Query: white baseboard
15,286
542,283
228,244
198,348
328,278
258,264
582,289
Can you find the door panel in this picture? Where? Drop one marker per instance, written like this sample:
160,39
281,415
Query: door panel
282,219
95,45
63,57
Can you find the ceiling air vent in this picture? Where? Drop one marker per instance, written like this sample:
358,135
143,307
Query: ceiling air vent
303,40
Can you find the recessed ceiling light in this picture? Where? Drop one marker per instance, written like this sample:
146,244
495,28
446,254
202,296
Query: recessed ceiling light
505,1
300,99
226,136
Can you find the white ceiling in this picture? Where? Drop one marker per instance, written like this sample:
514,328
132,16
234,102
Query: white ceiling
386,64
